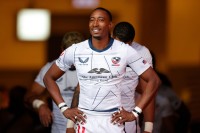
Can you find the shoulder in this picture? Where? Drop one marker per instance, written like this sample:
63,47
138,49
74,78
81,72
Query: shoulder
139,47
81,44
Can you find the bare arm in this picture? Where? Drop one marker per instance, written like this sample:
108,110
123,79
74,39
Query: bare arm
50,82
149,92
50,78
70,124
149,110
75,97
38,92
153,82
35,91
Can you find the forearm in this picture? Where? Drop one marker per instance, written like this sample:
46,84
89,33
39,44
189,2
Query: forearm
33,93
148,94
53,90
149,111
75,99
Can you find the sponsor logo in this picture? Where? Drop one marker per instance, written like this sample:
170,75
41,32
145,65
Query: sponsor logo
83,60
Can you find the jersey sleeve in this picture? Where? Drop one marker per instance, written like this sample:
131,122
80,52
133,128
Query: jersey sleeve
66,58
40,76
147,56
136,61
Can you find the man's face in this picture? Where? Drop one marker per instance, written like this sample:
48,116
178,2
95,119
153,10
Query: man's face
99,24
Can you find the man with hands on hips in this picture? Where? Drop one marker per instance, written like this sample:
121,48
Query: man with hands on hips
100,63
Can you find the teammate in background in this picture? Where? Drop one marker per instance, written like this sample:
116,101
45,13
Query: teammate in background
125,32
37,96
100,63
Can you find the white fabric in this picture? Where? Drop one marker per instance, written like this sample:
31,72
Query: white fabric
99,124
67,84
100,73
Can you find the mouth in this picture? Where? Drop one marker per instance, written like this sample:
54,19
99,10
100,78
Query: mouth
95,31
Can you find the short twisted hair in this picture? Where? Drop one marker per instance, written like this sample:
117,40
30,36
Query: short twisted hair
71,38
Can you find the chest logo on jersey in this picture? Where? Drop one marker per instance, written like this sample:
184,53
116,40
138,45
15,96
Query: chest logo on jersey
83,59
115,61
99,71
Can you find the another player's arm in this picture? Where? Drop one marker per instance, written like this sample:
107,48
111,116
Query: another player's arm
37,98
70,124
75,97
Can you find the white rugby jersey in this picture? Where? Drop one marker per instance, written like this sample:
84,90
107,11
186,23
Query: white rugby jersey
100,73
67,84
130,81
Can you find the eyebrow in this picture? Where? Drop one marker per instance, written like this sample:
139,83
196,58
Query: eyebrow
97,17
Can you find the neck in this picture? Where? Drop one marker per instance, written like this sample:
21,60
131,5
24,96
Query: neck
100,44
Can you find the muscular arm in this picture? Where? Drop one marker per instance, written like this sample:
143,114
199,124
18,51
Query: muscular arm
152,83
50,77
50,82
149,110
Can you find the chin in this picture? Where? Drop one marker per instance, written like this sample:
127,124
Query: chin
97,37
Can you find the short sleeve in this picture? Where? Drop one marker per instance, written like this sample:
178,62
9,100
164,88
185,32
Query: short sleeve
136,61
66,58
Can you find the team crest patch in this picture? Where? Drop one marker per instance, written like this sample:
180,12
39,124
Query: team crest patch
83,60
115,61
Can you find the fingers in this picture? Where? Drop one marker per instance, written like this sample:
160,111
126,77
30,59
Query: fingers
80,118
75,115
46,121
121,116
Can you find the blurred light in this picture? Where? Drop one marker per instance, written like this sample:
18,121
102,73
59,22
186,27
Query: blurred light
85,3
33,24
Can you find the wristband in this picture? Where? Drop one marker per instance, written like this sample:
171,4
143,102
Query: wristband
37,103
137,111
62,106
135,114
70,124
148,127
63,109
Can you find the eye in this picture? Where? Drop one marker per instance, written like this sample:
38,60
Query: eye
101,19
91,19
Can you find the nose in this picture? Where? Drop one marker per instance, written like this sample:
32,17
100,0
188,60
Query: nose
96,23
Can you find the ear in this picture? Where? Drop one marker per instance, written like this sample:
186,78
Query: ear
110,25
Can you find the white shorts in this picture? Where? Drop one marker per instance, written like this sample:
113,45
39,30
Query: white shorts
99,124
130,127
